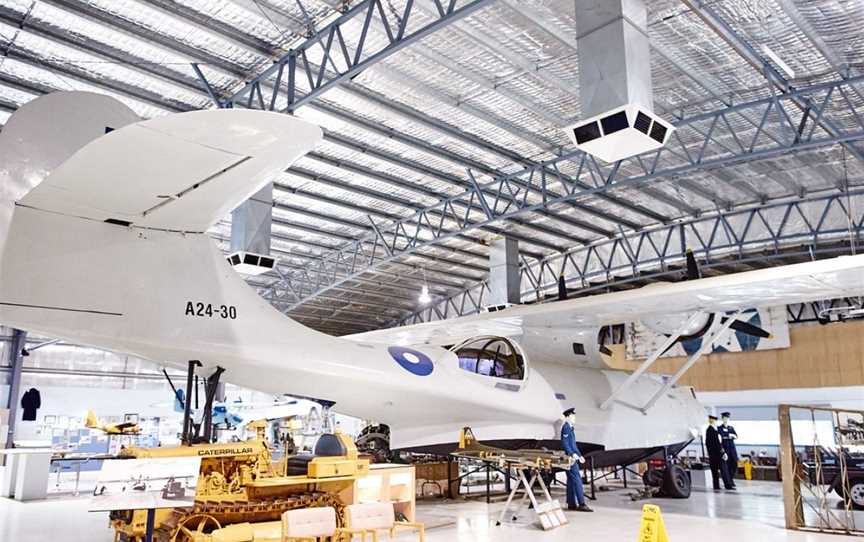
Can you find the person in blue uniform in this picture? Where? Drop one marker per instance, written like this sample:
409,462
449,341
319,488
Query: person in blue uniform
728,436
716,456
575,492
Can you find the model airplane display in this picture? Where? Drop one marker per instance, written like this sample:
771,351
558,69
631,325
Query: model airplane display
230,415
125,428
105,218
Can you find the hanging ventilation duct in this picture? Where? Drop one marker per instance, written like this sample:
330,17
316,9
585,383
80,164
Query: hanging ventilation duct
249,263
615,81
251,223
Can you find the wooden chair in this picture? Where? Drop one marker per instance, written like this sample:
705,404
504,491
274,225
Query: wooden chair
370,518
309,524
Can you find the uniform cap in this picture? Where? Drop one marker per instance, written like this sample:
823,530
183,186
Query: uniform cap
712,417
569,411
725,415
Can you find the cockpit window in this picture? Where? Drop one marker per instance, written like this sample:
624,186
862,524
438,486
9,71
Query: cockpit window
491,356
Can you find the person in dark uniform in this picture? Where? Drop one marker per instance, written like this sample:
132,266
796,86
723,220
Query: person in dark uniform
716,456
575,492
728,437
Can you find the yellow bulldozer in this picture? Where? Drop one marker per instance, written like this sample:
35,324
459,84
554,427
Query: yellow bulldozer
241,491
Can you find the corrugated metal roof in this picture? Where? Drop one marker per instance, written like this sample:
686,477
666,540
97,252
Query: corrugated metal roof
490,93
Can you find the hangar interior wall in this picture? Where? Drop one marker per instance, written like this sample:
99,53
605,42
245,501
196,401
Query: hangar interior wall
819,356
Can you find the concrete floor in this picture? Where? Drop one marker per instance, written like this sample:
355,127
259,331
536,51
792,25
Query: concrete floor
754,513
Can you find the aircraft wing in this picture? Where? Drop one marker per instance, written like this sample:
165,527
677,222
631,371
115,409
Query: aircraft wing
126,425
825,279
180,172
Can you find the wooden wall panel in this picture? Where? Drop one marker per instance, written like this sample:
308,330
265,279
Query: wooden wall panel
830,355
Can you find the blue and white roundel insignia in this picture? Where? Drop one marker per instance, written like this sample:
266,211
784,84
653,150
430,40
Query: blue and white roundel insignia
411,360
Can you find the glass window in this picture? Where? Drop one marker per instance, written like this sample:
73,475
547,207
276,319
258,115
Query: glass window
491,356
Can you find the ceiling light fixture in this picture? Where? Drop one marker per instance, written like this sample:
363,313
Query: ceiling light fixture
424,298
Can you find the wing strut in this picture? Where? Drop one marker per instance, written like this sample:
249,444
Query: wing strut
670,340
707,343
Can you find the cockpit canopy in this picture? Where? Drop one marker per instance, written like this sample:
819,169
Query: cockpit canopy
491,356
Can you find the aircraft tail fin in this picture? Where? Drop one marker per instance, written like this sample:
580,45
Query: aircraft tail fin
180,172
91,421
124,212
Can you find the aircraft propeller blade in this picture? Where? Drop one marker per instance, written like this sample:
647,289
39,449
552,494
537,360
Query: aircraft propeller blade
750,329
693,272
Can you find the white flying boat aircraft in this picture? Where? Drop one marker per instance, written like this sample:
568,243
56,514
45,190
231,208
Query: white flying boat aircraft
102,242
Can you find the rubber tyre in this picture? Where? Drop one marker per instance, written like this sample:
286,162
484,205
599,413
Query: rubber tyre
676,483
856,493
652,478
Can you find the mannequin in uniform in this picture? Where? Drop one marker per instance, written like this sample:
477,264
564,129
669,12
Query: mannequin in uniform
575,492
717,458
728,437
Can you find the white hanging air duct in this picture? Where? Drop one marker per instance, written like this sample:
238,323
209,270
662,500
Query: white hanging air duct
615,81
251,223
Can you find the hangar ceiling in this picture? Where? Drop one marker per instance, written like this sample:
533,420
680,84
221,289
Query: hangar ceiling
443,126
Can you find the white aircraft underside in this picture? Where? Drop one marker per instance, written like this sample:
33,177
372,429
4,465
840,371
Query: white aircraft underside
161,289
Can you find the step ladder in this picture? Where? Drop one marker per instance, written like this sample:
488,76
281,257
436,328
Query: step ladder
549,511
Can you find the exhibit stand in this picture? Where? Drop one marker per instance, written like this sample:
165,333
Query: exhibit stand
25,477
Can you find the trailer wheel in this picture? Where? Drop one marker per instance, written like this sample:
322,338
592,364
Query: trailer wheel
676,482
855,497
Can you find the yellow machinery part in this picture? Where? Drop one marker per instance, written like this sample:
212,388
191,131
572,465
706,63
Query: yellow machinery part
238,483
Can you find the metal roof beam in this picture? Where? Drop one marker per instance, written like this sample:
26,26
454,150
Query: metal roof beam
365,228
468,163
330,181
100,16
837,63
347,57
209,25
153,99
153,69
400,183
451,131
715,22
612,258
391,279
119,87
324,179
364,255
433,259
428,268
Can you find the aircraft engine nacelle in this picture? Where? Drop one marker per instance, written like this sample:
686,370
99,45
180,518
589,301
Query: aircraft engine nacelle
669,324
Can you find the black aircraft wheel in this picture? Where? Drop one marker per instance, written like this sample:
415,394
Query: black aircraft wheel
676,482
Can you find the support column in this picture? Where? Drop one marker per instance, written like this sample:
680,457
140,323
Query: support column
504,284
16,360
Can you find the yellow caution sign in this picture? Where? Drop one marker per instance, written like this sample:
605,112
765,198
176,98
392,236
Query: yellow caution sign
652,528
